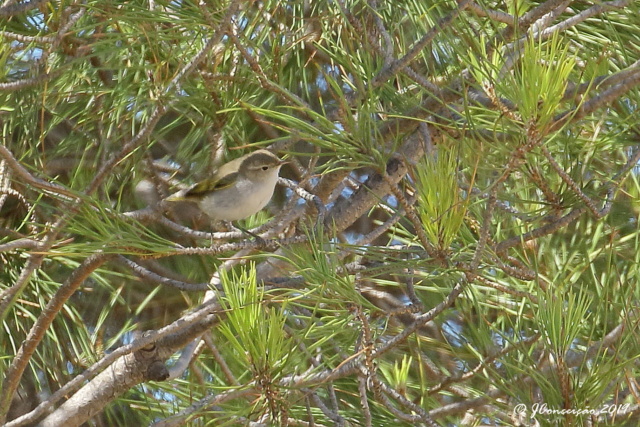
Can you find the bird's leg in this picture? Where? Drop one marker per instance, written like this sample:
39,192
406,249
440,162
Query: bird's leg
259,240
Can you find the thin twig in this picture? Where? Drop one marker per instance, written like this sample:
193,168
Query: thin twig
387,72
571,183
541,231
149,275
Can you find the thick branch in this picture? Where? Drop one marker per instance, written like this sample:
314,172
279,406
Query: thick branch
38,330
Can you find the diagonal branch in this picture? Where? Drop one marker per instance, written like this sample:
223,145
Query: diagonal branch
39,328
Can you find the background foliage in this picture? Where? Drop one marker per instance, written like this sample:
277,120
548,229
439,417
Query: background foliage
456,241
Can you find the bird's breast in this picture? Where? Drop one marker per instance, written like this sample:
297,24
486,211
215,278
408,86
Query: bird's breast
239,201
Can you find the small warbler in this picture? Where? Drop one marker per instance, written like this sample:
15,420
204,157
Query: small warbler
238,189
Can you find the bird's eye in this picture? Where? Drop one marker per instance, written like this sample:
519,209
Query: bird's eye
264,168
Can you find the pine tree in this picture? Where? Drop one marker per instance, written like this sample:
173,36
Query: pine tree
453,242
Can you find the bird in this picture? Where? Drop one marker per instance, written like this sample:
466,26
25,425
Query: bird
238,189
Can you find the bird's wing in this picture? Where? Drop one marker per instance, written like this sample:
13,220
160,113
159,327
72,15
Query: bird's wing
212,184
222,178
